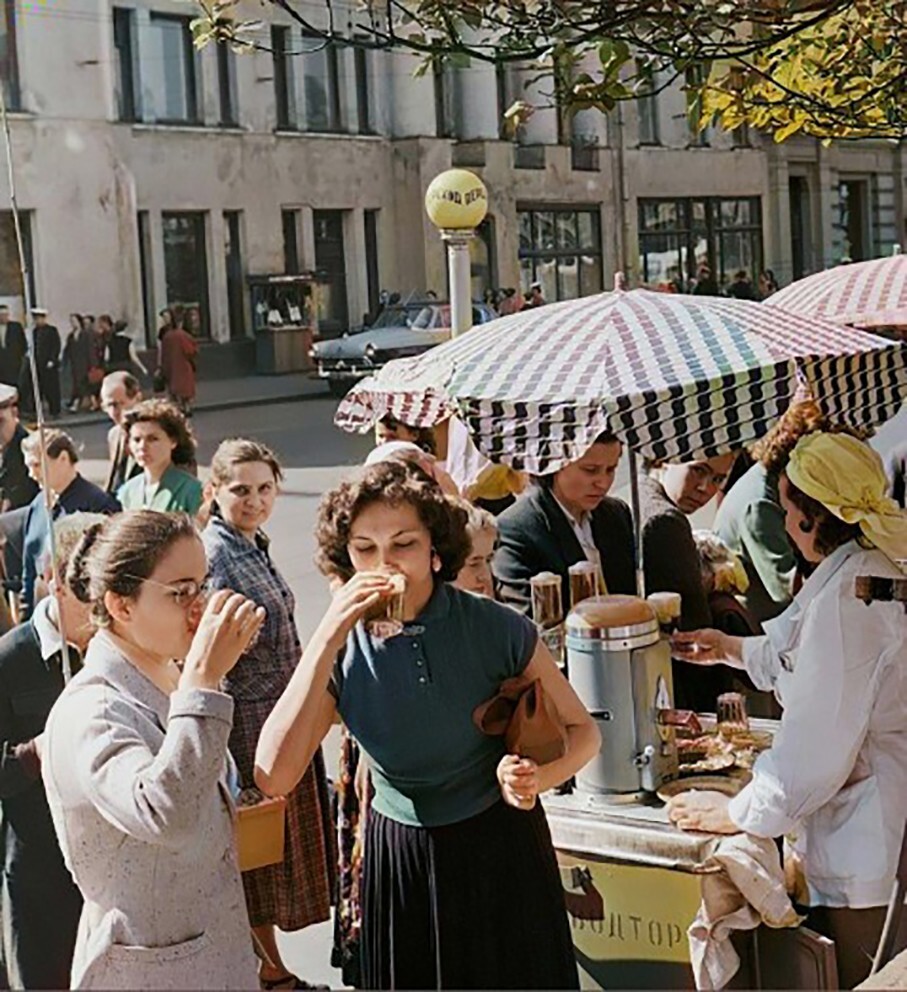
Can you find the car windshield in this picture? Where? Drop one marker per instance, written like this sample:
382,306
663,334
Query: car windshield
419,316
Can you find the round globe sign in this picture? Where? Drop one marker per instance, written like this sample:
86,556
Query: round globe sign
456,200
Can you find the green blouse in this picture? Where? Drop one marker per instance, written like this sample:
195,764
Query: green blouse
177,492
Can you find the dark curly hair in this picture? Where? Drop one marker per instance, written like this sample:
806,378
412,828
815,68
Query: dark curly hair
394,483
774,450
169,418
424,437
830,531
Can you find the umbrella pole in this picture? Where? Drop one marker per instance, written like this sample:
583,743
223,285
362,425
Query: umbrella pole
637,525
33,368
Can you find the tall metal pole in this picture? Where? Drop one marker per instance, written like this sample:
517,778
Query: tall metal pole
33,367
460,278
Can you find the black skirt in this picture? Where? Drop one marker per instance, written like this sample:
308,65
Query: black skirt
474,905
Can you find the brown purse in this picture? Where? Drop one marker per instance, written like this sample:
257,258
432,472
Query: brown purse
527,718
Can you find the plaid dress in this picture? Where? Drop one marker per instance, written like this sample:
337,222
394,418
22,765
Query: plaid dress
298,891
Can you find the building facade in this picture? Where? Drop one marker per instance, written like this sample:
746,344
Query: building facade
152,174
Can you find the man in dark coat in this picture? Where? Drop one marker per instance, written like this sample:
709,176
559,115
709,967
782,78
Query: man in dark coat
120,392
12,348
47,346
563,519
39,903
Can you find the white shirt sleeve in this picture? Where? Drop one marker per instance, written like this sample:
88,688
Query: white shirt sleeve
761,661
828,701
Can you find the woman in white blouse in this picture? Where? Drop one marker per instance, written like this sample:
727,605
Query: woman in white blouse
835,778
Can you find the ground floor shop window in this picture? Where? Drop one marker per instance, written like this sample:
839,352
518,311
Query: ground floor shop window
561,248
677,237
186,269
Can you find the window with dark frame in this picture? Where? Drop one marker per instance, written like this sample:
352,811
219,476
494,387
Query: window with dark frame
186,267
364,114
372,270
695,77
647,105
289,220
226,85
170,71
330,259
124,53
561,249
147,279
284,98
443,95
9,56
236,314
676,236
321,82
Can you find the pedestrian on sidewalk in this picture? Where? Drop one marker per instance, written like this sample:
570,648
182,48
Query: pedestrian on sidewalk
121,354
47,347
292,895
161,442
78,356
39,903
12,348
461,887
136,770
120,392
179,356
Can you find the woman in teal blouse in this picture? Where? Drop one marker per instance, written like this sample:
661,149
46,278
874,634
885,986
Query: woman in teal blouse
460,886
161,442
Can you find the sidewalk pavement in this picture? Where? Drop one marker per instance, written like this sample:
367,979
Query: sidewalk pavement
226,394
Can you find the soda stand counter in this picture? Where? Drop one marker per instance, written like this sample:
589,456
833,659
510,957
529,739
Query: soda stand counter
632,880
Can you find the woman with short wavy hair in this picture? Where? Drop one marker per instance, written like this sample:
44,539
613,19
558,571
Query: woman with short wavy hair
460,884
161,442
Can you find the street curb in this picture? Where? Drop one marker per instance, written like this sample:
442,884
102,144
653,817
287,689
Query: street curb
88,419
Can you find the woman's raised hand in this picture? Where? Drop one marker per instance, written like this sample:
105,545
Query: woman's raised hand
351,601
227,627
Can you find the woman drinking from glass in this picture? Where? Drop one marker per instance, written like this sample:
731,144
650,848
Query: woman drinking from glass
461,887
135,764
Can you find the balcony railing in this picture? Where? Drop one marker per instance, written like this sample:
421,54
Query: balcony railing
584,156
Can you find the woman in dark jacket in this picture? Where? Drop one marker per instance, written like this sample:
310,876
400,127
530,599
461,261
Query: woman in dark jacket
564,518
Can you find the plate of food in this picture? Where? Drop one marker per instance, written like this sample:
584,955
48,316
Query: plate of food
701,783
713,752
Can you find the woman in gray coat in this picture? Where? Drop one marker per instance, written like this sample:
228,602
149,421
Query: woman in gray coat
135,764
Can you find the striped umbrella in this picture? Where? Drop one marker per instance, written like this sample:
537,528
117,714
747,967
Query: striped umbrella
674,376
863,294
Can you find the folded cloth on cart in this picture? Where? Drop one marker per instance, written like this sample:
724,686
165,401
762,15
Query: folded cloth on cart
748,890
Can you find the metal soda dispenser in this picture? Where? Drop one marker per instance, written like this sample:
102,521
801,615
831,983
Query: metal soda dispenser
620,666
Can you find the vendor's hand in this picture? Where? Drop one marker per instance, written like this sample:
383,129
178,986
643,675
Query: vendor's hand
519,781
705,812
352,600
227,627
703,647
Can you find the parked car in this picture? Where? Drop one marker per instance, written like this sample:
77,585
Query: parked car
401,331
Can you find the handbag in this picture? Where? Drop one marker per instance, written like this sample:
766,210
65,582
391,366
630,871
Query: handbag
528,720
159,381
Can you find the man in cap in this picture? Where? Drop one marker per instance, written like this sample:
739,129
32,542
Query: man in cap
47,346
120,392
17,487
12,348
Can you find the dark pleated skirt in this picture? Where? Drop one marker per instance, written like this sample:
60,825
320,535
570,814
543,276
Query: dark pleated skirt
474,905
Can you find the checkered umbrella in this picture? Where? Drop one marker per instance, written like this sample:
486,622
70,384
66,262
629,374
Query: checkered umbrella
674,376
863,294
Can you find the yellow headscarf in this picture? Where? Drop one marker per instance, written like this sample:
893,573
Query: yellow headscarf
847,477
